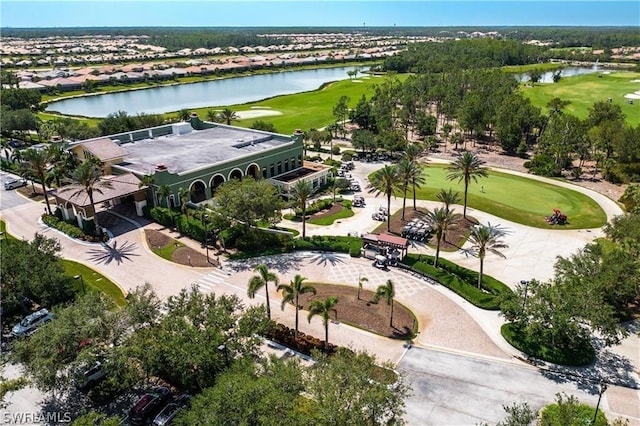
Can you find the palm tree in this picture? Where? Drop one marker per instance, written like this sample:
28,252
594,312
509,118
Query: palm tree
262,280
486,238
149,180
37,162
212,115
185,196
301,192
417,179
17,156
324,309
291,293
386,292
448,197
228,115
4,143
441,221
86,179
385,181
361,281
164,192
466,168
405,171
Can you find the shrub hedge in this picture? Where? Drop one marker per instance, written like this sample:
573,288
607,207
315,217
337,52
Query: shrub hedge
71,230
305,343
351,245
579,356
461,281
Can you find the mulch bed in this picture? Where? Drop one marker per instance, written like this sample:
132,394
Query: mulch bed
183,255
457,236
337,207
362,313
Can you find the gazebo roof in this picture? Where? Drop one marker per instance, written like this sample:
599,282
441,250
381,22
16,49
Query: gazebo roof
387,239
121,186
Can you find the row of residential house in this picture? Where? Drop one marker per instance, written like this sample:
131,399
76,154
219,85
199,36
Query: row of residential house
65,79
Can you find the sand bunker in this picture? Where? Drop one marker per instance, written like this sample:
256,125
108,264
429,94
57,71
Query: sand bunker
356,81
257,113
635,81
632,96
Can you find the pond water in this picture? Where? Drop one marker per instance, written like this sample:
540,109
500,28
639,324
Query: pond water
547,77
229,91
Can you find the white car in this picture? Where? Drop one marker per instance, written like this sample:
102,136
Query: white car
15,183
31,322
90,375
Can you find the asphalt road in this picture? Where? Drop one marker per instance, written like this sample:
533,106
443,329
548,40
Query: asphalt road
452,389
9,198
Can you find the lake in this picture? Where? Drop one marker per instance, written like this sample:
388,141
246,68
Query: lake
228,91
547,77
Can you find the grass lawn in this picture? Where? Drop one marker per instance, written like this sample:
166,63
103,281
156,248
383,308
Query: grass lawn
519,69
94,281
583,90
166,252
328,220
308,109
518,199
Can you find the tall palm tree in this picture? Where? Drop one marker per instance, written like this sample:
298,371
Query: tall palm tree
228,115
388,293
149,180
416,177
448,197
4,143
324,309
86,179
441,221
291,293
301,192
263,279
386,181
405,171
185,196
466,168
37,162
486,238
361,281
164,192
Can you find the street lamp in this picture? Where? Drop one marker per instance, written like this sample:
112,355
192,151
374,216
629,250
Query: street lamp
603,388
79,277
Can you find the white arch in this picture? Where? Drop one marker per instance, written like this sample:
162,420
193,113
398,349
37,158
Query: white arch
214,176
194,182
246,173
241,174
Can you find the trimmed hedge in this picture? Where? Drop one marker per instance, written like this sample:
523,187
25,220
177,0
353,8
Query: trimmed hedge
351,245
305,343
577,357
461,281
71,230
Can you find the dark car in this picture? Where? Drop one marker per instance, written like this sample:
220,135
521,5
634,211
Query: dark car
15,144
147,406
169,412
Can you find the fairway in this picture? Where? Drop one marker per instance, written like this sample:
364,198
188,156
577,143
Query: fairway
517,199
583,90
308,109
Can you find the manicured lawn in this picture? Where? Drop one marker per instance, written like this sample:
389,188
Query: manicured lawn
166,252
94,281
583,90
518,199
518,69
309,109
328,220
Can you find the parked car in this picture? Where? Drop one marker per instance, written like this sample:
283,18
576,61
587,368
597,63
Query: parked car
31,323
169,412
15,144
147,406
15,183
90,375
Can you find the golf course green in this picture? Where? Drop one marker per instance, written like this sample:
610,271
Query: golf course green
517,199
583,90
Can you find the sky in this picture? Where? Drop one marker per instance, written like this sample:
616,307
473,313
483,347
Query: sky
355,13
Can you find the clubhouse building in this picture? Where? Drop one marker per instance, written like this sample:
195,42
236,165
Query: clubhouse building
196,155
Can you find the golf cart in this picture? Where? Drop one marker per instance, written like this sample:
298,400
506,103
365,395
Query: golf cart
381,262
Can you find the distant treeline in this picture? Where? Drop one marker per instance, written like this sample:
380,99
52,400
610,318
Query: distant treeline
463,54
176,38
